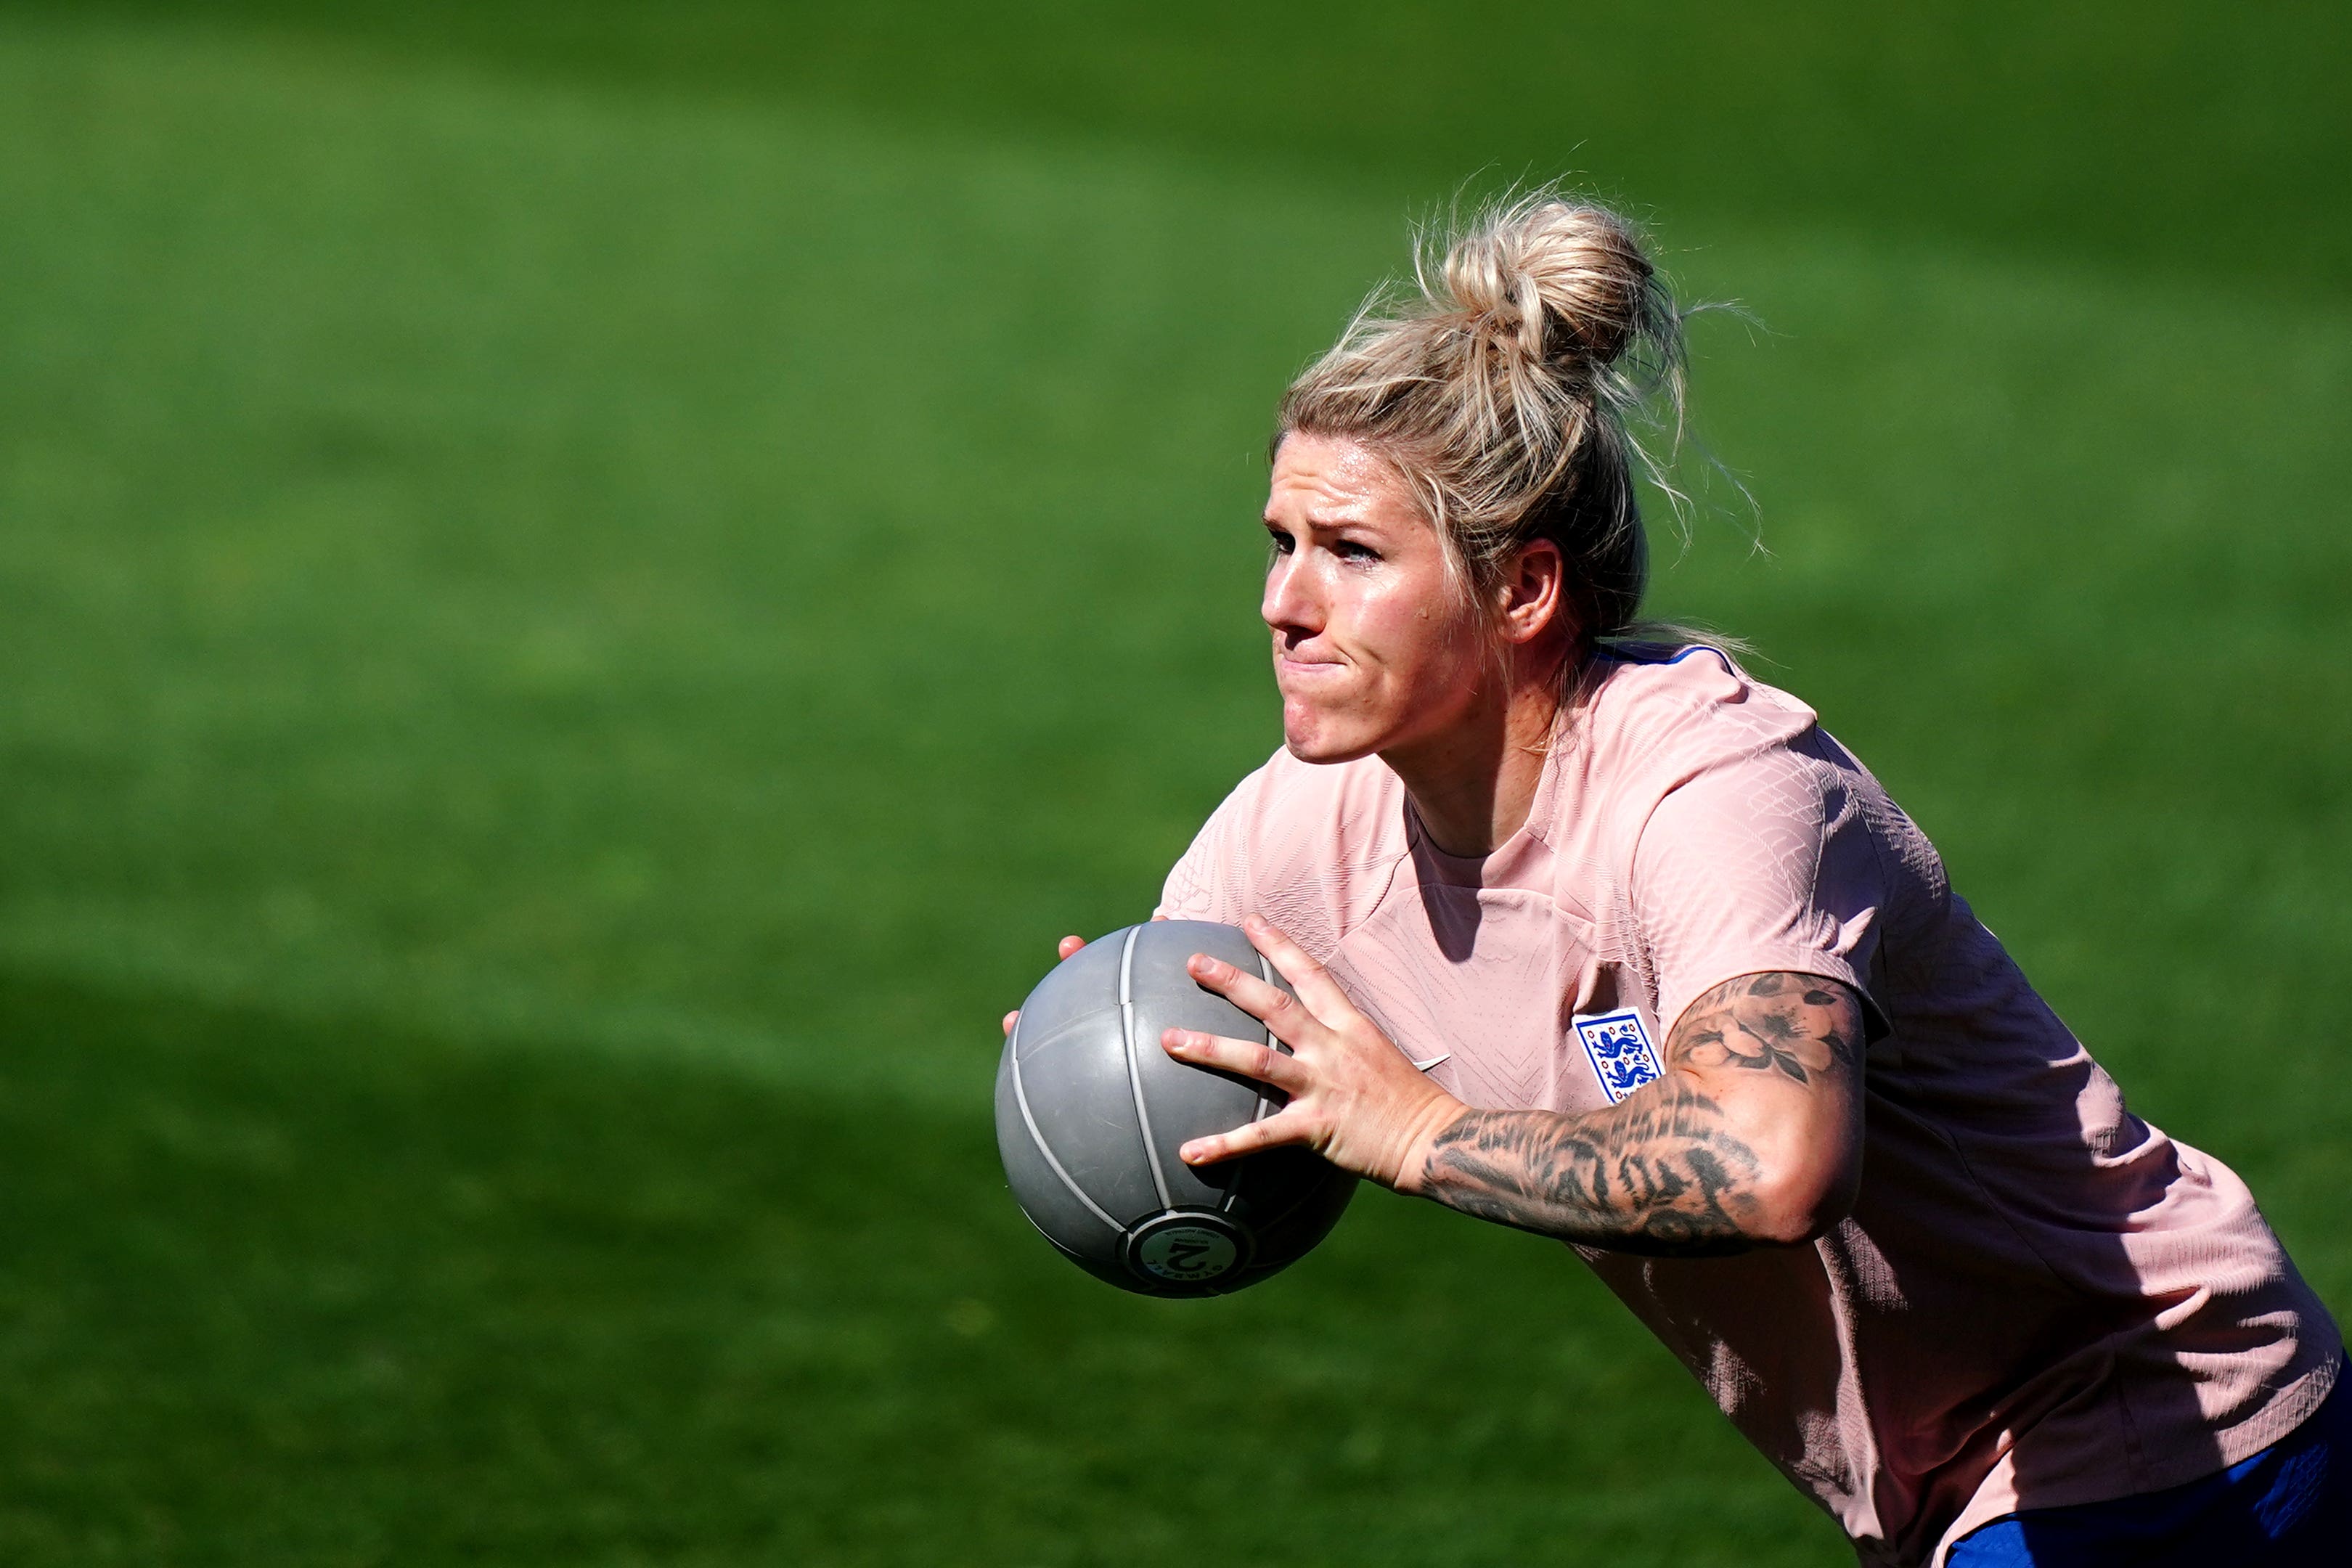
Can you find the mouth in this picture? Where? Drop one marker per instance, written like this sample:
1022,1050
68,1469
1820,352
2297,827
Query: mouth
1311,681
1307,667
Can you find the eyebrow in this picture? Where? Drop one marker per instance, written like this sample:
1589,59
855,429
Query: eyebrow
1326,524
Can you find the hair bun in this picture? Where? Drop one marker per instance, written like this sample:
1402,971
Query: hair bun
1559,278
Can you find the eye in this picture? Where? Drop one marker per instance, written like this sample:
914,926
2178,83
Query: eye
1280,539
1354,550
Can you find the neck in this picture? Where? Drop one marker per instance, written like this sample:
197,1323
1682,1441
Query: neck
1474,782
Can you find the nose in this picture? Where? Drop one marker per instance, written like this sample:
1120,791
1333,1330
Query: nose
1291,605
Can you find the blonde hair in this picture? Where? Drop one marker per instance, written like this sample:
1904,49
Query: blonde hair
1503,384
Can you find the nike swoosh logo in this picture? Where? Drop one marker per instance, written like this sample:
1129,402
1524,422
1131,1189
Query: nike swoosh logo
1424,1067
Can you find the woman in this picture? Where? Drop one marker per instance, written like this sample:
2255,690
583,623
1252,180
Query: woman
1602,937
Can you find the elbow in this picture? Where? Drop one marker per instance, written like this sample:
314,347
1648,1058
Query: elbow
1801,1202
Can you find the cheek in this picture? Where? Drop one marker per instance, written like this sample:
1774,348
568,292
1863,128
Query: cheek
1417,644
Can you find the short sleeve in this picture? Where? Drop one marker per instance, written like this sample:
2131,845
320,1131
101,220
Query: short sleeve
1761,862
1211,882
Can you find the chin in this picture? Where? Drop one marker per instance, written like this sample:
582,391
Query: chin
1313,743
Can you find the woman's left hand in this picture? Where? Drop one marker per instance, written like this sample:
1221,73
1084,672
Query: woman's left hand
1354,1097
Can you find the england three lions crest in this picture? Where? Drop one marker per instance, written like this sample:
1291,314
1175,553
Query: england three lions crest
1620,1047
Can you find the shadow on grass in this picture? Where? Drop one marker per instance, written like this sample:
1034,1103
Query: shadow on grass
281,1292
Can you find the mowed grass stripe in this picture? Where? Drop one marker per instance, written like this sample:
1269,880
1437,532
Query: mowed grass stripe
2156,134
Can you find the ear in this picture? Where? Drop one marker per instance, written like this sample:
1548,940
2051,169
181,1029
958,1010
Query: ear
1534,597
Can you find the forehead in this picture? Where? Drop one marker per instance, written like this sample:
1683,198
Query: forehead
1335,478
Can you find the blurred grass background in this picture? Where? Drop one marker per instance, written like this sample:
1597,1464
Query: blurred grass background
588,587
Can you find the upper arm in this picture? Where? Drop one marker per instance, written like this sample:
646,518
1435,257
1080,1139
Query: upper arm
1758,889
1780,1053
1758,864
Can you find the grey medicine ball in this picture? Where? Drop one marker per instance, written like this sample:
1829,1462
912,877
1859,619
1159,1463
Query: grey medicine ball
1090,1112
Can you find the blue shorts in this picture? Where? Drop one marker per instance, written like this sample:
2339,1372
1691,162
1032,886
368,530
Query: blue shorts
2289,1505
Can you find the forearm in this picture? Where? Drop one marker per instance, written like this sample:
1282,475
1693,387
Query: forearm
1751,1138
1661,1173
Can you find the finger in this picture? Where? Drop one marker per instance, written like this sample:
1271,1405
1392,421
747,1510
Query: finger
1262,1063
1310,979
1268,1133
1270,1005
1070,944
1010,1019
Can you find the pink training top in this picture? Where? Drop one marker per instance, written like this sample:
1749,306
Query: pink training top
2039,1300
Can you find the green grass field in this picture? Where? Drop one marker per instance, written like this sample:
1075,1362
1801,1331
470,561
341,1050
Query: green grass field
588,589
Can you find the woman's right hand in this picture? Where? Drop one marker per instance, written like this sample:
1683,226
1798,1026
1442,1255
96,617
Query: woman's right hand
1066,946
